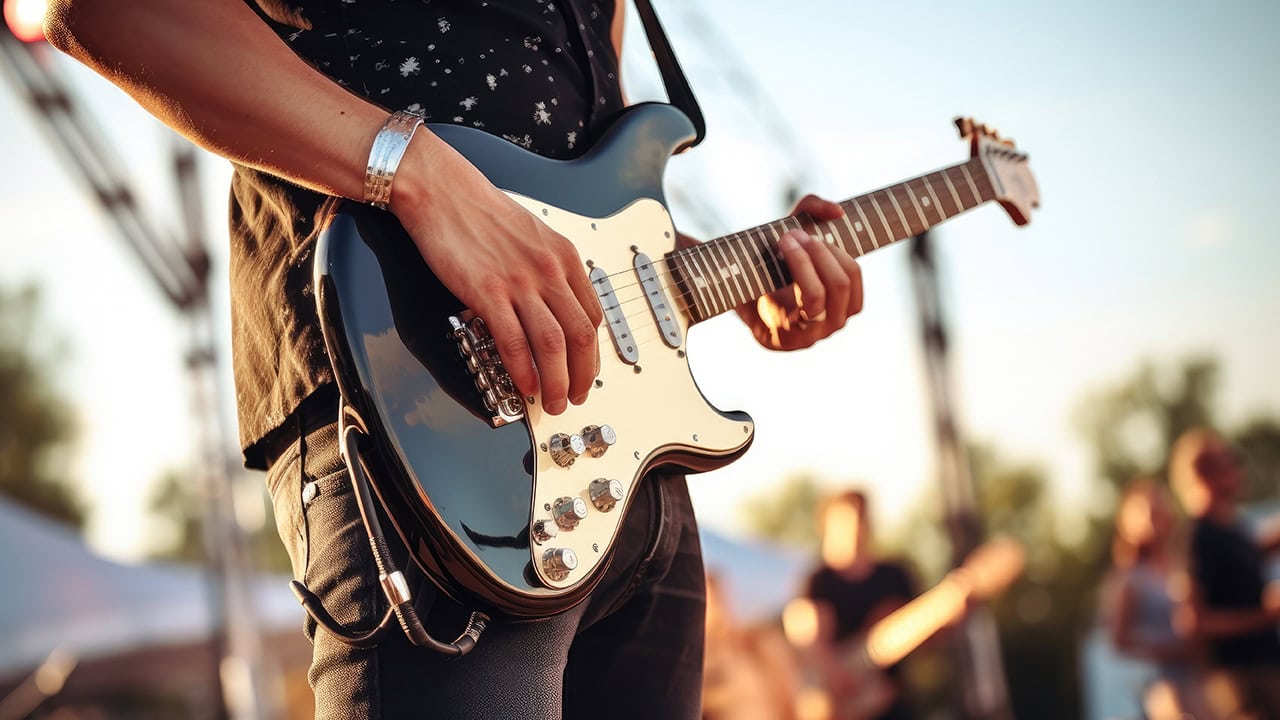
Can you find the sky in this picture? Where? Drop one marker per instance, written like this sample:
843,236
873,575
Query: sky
1150,128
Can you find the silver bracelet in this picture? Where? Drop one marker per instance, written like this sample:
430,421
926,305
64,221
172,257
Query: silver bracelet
388,148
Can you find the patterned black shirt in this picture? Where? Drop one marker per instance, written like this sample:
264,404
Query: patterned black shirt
540,73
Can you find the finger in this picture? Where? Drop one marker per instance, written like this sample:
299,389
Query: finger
854,271
513,347
581,337
546,340
583,289
819,208
808,287
835,283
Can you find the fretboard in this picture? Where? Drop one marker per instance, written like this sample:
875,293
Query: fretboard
724,273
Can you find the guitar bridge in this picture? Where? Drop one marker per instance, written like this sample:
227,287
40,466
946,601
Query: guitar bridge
479,352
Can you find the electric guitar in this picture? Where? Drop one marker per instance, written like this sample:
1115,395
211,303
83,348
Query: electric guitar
501,504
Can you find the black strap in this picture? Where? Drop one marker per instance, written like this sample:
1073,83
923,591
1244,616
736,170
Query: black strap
678,91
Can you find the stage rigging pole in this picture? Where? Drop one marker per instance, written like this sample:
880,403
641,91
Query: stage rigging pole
980,668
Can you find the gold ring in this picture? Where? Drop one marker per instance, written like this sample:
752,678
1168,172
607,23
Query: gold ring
805,319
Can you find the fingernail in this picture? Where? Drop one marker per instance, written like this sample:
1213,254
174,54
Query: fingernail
580,399
557,407
788,242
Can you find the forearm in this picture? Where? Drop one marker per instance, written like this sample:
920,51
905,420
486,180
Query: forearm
214,71
1230,623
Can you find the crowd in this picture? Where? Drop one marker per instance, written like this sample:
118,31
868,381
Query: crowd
1186,598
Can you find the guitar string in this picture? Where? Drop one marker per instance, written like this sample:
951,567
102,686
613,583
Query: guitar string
725,291
832,227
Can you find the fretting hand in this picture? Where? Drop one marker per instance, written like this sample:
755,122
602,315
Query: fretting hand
826,288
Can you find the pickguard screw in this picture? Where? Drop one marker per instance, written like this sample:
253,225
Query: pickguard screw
636,454
543,446
637,369
745,429
679,353
546,506
595,547
593,226
695,438
529,399
599,383
666,235
545,211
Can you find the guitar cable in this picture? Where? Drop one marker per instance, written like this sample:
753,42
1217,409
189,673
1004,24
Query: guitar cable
392,580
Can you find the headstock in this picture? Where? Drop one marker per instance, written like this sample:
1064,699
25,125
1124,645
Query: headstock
1007,167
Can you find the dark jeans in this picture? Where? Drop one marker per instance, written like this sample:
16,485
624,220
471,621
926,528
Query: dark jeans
632,650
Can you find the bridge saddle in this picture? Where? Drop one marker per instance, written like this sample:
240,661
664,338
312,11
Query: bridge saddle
479,352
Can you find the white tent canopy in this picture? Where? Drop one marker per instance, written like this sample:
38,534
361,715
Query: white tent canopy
57,593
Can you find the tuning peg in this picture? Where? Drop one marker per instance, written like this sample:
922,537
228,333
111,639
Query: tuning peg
965,126
1008,142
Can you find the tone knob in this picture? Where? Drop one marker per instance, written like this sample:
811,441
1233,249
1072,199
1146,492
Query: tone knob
605,493
566,448
598,438
543,530
569,511
558,562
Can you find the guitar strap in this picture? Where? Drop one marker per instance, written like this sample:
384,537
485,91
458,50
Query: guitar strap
673,78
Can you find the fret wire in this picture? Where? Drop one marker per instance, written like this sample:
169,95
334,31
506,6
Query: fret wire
857,205
977,196
761,265
906,226
946,176
714,299
924,222
716,292
884,222
731,282
936,201
700,295
852,233
772,267
754,261
749,271
730,279
772,247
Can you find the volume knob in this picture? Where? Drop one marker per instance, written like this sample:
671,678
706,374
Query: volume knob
558,562
569,511
598,438
605,493
566,448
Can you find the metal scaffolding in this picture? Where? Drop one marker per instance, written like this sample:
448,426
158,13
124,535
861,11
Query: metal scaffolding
180,271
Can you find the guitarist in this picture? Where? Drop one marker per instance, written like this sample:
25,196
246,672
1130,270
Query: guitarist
857,590
294,93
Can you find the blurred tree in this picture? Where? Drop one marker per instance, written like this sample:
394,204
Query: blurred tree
178,507
787,514
1259,441
38,425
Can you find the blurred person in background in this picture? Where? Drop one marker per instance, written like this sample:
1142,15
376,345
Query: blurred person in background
750,672
1234,610
1146,594
858,589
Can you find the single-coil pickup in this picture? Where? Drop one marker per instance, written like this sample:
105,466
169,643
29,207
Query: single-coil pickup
658,302
615,318
478,351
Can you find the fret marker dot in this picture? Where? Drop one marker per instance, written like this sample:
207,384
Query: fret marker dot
858,226
924,201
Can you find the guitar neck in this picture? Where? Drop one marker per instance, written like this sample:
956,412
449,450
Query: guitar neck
729,271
